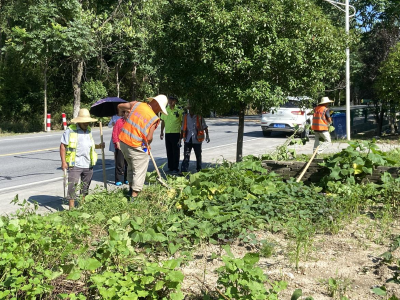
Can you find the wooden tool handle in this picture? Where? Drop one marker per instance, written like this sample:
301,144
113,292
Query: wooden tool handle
308,164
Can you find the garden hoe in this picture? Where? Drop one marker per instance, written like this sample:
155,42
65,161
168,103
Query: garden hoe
159,178
308,164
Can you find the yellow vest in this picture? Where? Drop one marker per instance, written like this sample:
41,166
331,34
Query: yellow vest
73,143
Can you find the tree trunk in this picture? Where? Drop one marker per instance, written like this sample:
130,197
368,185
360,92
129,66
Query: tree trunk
76,83
239,144
380,122
118,84
134,81
392,119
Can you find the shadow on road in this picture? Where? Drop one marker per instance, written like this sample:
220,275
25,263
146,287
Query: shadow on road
51,203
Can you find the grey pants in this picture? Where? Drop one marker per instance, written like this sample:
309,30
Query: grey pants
74,174
138,161
323,140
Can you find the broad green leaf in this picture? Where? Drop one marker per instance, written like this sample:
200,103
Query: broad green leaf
89,264
75,274
251,258
379,291
85,216
175,276
296,294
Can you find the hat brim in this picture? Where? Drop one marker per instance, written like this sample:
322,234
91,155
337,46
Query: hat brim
163,109
325,102
83,120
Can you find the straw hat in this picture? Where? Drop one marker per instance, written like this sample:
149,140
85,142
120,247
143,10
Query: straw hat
162,101
83,117
325,100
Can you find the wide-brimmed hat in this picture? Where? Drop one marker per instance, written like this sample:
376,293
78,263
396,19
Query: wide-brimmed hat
162,101
325,100
83,117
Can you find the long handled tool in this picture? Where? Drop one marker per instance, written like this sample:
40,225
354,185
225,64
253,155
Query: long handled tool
102,157
308,164
65,183
159,178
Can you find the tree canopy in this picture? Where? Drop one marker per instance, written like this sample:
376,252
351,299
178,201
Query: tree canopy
225,55
222,55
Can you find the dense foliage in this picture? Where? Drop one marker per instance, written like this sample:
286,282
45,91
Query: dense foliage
57,56
113,249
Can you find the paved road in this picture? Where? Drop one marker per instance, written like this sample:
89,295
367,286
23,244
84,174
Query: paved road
30,164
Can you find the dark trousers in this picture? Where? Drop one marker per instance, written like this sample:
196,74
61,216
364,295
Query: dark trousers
187,149
173,150
120,166
74,174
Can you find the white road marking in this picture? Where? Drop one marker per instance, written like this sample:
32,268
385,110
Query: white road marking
204,149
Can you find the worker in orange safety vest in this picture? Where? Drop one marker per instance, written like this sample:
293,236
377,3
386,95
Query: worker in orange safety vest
136,136
320,124
192,132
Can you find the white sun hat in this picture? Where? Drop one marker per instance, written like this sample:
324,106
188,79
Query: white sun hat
83,117
325,100
162,100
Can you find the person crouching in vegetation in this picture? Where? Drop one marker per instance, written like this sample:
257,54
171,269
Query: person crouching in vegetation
78,155
320,125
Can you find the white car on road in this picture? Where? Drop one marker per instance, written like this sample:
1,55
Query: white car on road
285,118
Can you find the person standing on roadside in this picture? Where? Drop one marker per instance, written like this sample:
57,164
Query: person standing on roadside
120,163
111,124
172,124
78,155
320,125
136,135
192,131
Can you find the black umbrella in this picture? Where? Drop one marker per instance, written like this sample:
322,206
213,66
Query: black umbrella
106,107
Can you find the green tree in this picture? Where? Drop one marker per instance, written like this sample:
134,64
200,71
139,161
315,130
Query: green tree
379,20
127,46
41,30
226,55
387,85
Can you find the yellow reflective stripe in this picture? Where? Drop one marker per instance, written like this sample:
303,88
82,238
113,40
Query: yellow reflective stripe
142,130
150,122
135,137
133,109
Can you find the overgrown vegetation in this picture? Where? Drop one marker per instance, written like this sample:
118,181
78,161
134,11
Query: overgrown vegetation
110,248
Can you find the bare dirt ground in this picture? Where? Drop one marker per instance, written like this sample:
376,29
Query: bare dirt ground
351,257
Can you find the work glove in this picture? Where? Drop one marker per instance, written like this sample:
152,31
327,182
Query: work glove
207,138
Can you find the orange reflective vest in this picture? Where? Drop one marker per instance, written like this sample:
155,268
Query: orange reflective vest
319,122
137,125
200,131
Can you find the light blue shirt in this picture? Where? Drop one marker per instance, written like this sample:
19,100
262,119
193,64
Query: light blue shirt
111,124
82,159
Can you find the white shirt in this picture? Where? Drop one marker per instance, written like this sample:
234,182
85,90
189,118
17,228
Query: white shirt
82,158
